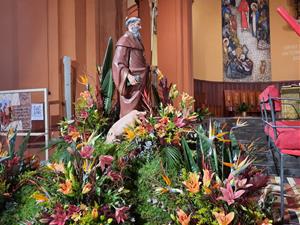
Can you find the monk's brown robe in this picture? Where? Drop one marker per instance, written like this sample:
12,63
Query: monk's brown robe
129,59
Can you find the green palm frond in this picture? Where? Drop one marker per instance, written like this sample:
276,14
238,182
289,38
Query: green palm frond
171,158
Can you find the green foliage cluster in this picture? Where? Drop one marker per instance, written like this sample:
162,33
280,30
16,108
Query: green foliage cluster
22,209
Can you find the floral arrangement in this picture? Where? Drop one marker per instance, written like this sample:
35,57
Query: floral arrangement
169,169
89,186
217,183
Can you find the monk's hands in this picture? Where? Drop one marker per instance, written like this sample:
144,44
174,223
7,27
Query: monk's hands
132,80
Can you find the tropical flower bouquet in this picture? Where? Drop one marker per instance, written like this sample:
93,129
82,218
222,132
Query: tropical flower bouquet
168,169
207,179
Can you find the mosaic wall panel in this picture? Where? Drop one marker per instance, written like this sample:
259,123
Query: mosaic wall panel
246,40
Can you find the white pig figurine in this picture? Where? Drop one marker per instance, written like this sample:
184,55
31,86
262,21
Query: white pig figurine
118,128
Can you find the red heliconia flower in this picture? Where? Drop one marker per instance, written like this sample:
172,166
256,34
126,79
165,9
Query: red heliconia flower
115,176
73,209
84,114
72,128
122,163
60,216
13,162
179,122
68,139
87,152
105,160
120,214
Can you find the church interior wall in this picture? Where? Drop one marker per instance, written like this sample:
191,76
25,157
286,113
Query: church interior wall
207,43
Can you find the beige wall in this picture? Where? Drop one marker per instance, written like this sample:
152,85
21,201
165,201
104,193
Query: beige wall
285,49
207,44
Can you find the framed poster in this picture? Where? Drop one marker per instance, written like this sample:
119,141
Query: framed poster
15,111
246,40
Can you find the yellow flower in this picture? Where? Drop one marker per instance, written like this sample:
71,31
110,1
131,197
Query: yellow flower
66,188
183,218
57,167
87,166
129,134
95,213
169,109
83,207
3,153
140,131
83,79
160,75
75,217
224,219
192,184
87,187
187,100
173,93
39,197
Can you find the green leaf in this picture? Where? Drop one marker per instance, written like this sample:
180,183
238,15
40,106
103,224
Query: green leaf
188,157
171,158
107,89
106,79
23,145
107,60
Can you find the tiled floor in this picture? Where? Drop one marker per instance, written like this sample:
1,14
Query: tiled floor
292,199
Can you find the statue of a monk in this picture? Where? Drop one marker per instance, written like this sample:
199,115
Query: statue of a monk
129,68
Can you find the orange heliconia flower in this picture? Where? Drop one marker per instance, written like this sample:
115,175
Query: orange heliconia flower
66,188
167,179
74,135
192,184
183,218
57,167
83,79
224,219
87,187
39,197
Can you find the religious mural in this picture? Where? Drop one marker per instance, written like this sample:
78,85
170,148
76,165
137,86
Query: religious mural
246,40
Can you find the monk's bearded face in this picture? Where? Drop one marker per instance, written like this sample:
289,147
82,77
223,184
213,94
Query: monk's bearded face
134,28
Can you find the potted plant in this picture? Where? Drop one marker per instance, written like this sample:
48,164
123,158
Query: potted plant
243,108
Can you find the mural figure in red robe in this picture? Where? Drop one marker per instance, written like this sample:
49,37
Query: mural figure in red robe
244,10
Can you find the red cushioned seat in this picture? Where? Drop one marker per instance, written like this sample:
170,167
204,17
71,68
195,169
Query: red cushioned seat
288,141
269,131
271,91
290,152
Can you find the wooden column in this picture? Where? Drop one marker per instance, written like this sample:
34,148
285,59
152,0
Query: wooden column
144,14
67,28
91,39
111,21
53,59
174,40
